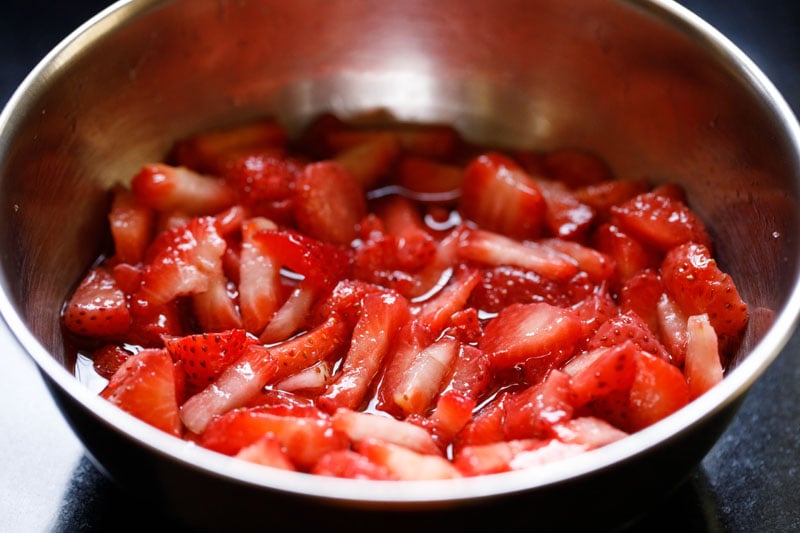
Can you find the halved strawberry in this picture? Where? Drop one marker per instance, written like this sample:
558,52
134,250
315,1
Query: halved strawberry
370,160
183,259
211,151
166,188
499,196
349,464
382,315
532,412
575,167
205,355
531,331
321,264
488,248
660,221
98,307
703,367
132,226
694,280
359,425
406,464
329,203
144,386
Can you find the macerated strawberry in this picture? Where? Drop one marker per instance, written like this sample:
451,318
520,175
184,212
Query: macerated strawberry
303,439
660,221
486,426
532,412
211,151
703,367
260,290
261,177
471,374
499,196
602,196
205,355
640,294
98,307
412,338
426,140
609,369
628,326
487,248
132,226
435,313
629,255
694,280
599,266
589,431
266,451
166,188
593,310
566,217
351,465
423,379
553,450
107,359
524,331
382,314
502,286
149,322
329,203
465,325
144,386
321,264
452,412
370,160
215,309
493,458
415,247
430,180
406,464
358,425
292,316
658,390
672,327
575,167
311,380
183,259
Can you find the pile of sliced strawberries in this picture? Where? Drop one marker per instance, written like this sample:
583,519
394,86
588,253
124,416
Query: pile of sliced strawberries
391,302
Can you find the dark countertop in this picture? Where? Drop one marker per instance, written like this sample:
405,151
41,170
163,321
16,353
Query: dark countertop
750,481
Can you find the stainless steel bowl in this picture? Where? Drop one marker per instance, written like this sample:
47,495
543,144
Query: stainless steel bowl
645,83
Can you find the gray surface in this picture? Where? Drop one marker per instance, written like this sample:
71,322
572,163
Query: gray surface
748,482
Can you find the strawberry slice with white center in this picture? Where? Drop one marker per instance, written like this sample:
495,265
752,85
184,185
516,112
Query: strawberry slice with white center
359,425
166,188
493,249
499,196
292,315
589,431
351,465
406,464
260,290
492,458
435,313
132,226
381,316
144,386
184,259
422,380
98,307
703,367
523,331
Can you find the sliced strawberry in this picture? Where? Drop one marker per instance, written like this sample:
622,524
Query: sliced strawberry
602,196
471,375
430,180
493,249
183,260
660,221
566,217
213,150
98,307
436,312
215,309
205,355
303,439
292,316
672,328
575,167
703,367
493,458
321,264
629,255
144,386
465,325
260,290
422,380
150,323
627,326
610,369
166,188
640,294
499,196
426,140
406,464
107,359
261,177
266,451
416,248
370,160
132,227
589,431
532,412
658,390
375,260
351,465
360,425
329,203
593,311
382,315
312,380
599,266
552,451
485,427
452,412
692,277
524,331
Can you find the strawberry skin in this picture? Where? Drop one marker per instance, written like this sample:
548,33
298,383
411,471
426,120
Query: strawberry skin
205,355
98,307
144,386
